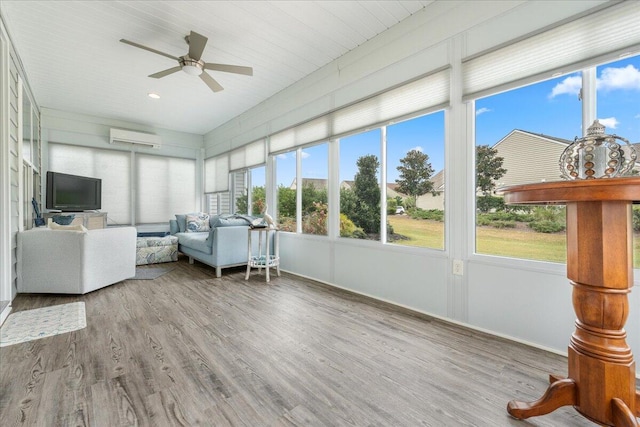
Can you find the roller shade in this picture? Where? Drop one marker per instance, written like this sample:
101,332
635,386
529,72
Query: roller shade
597,37
427,93
216,174
252,154
111,166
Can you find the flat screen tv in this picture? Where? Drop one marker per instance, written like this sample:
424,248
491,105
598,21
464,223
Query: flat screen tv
72,193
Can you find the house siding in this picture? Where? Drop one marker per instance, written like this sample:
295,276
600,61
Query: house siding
529,158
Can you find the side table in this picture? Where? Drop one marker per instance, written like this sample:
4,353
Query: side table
264,260
601,374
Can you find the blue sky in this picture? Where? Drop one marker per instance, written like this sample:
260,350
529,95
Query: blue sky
550,107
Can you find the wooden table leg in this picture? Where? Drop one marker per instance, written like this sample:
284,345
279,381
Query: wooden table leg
562,392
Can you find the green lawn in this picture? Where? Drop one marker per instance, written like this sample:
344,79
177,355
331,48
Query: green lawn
492,241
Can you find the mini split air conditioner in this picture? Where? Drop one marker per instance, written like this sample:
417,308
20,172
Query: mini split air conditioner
123,136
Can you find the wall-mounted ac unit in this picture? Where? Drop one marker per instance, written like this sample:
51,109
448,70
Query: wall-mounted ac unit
124,136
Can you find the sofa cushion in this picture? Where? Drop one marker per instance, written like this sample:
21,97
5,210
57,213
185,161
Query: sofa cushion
197,222
229,221
197,241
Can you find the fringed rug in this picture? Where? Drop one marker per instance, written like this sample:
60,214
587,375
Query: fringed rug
43,322
150,273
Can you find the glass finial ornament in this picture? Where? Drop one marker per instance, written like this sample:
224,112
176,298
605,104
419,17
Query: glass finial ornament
597,156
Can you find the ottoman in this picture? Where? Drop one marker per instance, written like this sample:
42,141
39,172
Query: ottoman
153,250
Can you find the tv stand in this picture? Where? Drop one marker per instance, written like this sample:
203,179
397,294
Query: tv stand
90,220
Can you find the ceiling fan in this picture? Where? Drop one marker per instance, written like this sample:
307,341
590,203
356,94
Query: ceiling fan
192,64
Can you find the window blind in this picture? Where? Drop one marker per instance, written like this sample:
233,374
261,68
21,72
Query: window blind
249,155
430,92
112,167
216,174
165,186
569,47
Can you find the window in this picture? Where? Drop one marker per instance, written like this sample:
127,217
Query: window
415,181
113,167
249,186
164,186
618,105
315,179
219,203
239,191
531,126
520,135
285,165
360,185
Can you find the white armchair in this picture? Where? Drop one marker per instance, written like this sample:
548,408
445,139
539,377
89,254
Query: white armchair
73,262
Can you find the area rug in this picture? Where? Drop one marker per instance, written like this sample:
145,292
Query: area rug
150,273
43,322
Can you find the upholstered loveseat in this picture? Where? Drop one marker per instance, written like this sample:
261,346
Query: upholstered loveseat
74,262
221,244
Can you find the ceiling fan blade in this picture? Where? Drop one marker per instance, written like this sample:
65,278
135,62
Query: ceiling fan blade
213,85
248,71
134,44
160,74
197,42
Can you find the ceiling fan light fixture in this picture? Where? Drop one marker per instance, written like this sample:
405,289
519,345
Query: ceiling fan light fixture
192,70
191,66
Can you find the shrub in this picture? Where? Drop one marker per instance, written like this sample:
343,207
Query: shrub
636,218
503,224
488,203
432,214
392,204
546,226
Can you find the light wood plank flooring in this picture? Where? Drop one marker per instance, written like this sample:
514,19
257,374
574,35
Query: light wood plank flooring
188,349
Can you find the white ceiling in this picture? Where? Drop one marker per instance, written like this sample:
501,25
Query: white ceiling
75,62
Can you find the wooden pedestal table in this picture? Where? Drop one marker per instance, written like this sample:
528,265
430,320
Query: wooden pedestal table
601,373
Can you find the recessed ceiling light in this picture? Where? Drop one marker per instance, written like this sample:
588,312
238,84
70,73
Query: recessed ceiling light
153,95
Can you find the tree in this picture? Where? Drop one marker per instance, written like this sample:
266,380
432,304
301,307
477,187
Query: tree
488,169
415,174
367,192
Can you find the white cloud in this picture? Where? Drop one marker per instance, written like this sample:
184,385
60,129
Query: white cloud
417,148
611,78
282,156
483,110
305,154
637,116
570,86
619,78
609,122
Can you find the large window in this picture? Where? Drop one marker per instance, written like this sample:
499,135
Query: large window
360,185
285,165
415,182
520,135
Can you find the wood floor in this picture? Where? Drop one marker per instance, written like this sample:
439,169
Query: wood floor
188,349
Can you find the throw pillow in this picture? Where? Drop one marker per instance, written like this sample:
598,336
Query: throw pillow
182,221
197,222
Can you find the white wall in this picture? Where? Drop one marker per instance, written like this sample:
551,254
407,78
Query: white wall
524,300
91,131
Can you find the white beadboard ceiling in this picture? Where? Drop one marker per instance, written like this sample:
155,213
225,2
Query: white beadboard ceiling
75,62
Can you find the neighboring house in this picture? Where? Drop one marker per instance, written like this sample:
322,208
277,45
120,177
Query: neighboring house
530,157
317,183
